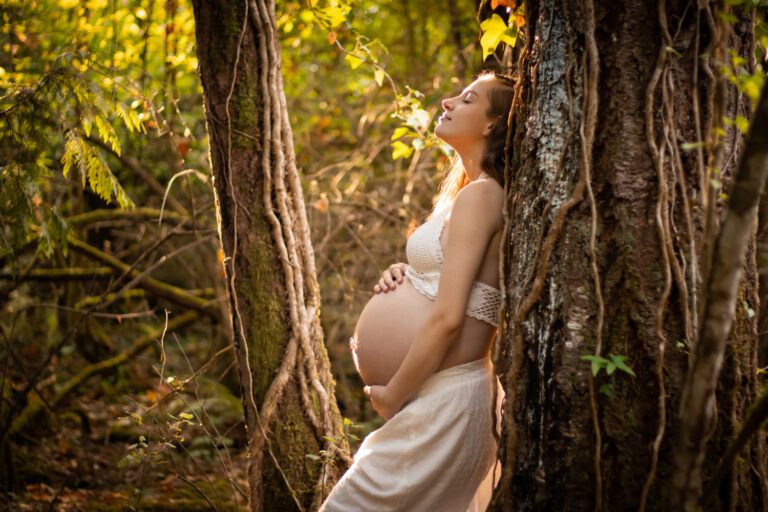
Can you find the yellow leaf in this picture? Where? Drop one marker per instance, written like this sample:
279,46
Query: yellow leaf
399,132
742,123
493,30
353,61
378,75
335,15
401,150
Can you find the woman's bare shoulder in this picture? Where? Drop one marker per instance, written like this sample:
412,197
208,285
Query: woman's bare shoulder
486,187
477,201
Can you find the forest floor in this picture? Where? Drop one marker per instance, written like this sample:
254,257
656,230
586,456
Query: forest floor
99,458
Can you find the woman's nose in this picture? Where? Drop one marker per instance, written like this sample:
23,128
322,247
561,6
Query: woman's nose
446,103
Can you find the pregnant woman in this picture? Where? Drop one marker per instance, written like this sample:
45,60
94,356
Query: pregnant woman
422,342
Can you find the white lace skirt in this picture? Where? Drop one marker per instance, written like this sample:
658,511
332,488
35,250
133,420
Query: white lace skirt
438,453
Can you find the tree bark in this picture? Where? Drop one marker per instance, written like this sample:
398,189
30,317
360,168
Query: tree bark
609,229
287,387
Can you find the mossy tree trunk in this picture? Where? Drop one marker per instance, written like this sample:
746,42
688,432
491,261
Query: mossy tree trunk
611,219
287,386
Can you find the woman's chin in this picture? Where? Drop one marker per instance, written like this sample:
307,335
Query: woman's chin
440,132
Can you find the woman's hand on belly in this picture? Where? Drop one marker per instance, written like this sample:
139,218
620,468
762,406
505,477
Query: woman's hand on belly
381,401
390,278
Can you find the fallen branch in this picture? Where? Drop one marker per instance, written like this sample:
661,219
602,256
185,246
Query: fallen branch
697,407
35,404
135,294
124,214
172,293
61,274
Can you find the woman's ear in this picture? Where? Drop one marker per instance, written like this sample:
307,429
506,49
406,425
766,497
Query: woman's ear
488,129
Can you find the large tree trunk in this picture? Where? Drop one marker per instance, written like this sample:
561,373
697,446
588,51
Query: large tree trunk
286,382
610,224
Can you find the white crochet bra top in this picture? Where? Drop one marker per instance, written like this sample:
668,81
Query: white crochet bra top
425,258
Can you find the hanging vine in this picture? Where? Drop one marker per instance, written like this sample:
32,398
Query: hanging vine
590,77
285,214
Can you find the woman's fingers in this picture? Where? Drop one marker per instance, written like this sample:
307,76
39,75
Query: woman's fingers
390,278
397,272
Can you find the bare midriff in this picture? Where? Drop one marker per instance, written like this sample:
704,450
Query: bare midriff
390,321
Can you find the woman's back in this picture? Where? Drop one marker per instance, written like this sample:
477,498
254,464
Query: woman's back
390,321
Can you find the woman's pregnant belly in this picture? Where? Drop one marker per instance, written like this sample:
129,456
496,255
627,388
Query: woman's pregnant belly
388,325
385,330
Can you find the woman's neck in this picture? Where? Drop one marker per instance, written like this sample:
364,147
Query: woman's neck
472,159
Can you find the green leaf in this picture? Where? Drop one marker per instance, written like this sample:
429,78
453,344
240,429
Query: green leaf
597,363
727,17
87,124
742,123
125,461
610,368
107,133
621,365
606,389
185,416
688,146
378,75
93,170
68,158
752,85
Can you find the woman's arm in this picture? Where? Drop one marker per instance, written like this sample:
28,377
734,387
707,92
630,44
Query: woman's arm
475,218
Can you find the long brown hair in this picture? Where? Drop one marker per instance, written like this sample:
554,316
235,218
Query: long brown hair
500,102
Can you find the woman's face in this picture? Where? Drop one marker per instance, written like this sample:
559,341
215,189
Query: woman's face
464,121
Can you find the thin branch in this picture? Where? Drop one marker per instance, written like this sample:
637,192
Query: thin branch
698,401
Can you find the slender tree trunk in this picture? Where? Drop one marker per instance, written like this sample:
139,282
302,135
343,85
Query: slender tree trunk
287,387
459,61
611,221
